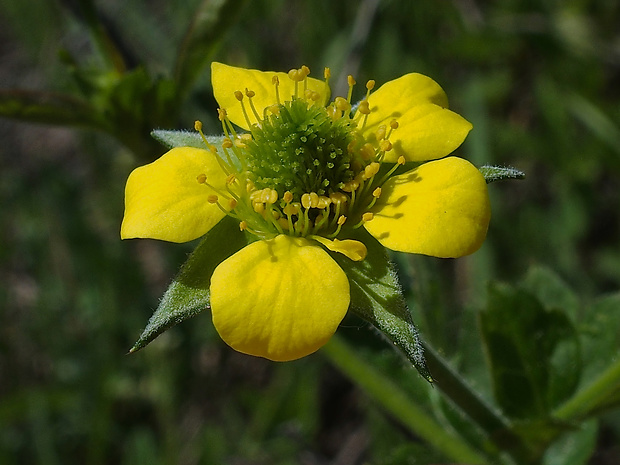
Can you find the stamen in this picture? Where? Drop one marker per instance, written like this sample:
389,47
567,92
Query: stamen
385,145
401,161
341,220
367,151
364,109
306,72
296,75
366,217
343,105
381,131
370,85
250,94
375,195
276,82
202,179
327,74
393,125
370,170
239,96
198,127
351,83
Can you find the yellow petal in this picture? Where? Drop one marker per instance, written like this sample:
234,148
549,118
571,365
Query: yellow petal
427,129
440,208
355,250
280,299
164,200
228,79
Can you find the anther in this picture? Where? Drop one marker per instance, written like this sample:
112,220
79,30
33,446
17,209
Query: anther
370,85
338,198
274,109
198,125
249,93
342,104
238,95
367,151
364,107
401,160
227,143
394,124
243,225
201,178
259,207
385,145
287,197
232,203
376,193
381,131
371,170
293,75
221,114
212,198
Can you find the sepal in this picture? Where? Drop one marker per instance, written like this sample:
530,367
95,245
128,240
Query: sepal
376,296
499,173
188,295
172,139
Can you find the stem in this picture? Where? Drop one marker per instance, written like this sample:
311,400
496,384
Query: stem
591,397
397,402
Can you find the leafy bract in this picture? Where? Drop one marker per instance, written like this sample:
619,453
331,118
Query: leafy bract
188,295
172,139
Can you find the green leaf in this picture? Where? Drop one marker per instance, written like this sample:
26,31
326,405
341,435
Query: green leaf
173,139
47,107
188,295
601,339
551,291
499,173
534,354
210,21
575,447
376,296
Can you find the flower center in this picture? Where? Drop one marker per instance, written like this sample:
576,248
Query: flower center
301,150
304,169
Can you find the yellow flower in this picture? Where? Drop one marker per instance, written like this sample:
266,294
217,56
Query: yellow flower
301,178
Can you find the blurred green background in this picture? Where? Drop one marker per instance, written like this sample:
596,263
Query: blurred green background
540,81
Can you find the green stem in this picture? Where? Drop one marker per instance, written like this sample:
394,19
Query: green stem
397,402
591,397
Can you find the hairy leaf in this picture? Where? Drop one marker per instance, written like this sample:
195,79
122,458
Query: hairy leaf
376,296
534,354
